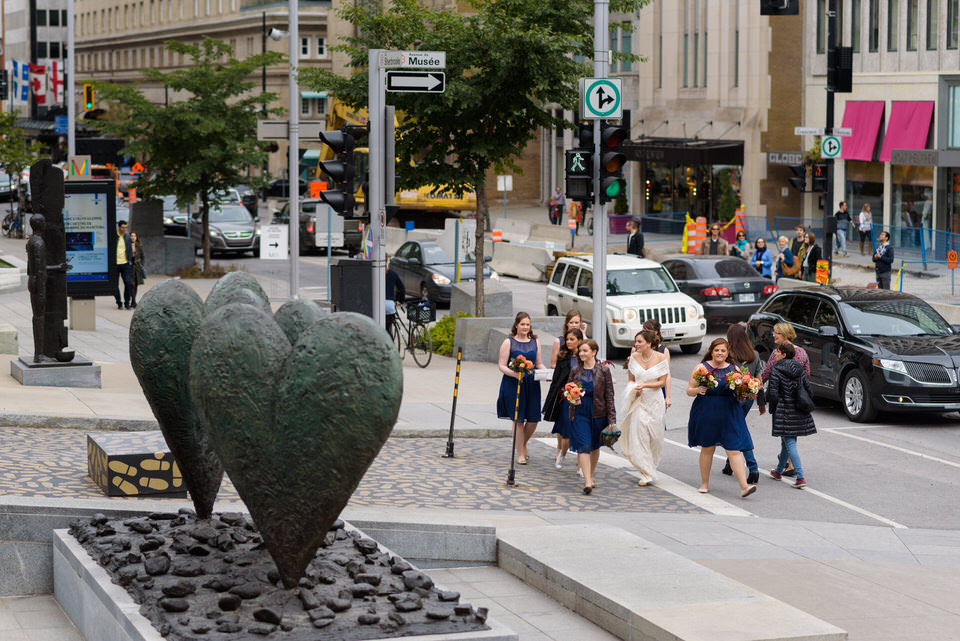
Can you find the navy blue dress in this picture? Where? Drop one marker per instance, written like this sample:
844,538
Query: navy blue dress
585,430
529,388
716,418
562,425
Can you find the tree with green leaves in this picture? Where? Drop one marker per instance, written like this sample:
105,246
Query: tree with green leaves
200,145
508,62
17,152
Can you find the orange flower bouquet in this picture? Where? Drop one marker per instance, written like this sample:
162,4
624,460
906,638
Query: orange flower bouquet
521,365
744,386
572,392
703,378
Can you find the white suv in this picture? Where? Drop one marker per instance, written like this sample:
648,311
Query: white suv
637,290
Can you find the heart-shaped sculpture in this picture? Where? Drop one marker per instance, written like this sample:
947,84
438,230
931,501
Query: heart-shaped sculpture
236,287
162,332
295,425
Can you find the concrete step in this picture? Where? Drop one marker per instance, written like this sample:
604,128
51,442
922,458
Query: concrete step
639,591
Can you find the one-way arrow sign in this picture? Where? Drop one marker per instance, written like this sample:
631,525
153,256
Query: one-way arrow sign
416,81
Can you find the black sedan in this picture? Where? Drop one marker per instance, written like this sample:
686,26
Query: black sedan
728,288
428,271
248,197
870,349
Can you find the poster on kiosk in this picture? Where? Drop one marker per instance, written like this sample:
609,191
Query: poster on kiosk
90,224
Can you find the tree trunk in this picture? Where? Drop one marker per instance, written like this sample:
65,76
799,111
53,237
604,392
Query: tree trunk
205,222
482,213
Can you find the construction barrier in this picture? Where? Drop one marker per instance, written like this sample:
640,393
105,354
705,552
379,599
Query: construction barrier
496,235
132,195
696,234
740,220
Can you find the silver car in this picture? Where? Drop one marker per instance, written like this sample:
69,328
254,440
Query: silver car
232,230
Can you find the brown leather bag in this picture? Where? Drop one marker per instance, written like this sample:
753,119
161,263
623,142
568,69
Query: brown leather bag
792,271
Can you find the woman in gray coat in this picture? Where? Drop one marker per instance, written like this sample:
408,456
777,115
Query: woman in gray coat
789,421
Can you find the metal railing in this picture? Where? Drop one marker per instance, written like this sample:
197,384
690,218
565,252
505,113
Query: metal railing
902,272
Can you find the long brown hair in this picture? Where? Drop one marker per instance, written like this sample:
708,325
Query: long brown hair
564,352
741,349
516,321
573,313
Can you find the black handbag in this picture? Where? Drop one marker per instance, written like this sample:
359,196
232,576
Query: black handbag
804,401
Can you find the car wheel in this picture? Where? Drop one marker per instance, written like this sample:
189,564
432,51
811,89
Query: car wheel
855,397
692,348
552,311
424,292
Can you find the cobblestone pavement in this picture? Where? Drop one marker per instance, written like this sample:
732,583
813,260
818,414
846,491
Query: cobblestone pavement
408,473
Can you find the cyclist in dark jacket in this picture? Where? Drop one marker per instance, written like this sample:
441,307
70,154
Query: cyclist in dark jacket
394,292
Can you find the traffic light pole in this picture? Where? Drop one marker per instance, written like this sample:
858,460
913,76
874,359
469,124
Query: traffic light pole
376,91
294,158
601,53
832,64
69,96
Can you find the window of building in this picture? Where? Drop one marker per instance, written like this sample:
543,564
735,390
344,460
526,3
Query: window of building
686,40
54,18
41,17
893,23
55,50
933,9
305,47
706,57
626,45
874,18
952,6
821,26
953,124
321,47
913,17
41,49
696,59
305,106
736,44
207,6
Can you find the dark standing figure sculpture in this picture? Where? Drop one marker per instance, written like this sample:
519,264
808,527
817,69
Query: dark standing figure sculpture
46,187
37,271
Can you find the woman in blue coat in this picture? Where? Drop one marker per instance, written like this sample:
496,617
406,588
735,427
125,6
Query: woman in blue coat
762,259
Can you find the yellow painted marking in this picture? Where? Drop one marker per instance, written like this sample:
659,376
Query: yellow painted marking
122,468
154,484
125,486
155,466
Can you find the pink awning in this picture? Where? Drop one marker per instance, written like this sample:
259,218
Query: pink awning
909,126
863,117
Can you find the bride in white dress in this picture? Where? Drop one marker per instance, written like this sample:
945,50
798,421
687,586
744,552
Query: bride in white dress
641,416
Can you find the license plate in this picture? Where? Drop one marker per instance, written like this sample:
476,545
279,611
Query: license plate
748,298
668,332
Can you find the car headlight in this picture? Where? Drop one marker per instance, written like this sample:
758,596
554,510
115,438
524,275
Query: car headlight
214,233
890,364
257,231
167,220
440,279
494,275
693,311
630,315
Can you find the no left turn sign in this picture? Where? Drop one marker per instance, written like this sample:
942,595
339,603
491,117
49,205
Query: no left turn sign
830,147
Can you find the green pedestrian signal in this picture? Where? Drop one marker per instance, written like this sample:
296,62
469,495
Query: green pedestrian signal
578,170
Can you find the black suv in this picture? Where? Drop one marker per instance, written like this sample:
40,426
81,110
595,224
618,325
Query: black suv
870,349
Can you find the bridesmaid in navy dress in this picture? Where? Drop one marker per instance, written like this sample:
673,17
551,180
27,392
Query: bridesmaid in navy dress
555,406
716,418
522,342
594,412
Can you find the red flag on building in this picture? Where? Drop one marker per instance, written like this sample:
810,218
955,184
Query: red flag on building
56,82
38,83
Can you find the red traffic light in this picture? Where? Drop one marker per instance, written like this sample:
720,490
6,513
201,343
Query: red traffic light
613,136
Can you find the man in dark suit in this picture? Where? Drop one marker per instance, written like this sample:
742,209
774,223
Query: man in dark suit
124,266
883,261
634,238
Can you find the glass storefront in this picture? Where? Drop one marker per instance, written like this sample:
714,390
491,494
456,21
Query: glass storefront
864,186
698,190
912,203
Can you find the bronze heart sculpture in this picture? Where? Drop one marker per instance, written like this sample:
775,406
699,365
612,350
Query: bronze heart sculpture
162,332
296,425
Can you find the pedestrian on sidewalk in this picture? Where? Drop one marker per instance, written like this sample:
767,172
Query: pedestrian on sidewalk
555,406
717,418
811,254
865,226
743,354
642,413
787,263
761,260
557,204
594,412
714,245
791,419
883,261
741,248
139,272
521,342
843,224
634,238
785,333
124,256
798,240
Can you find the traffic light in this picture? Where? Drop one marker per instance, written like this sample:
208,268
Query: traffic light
341,171
612,159
800,181
89,97
578,170
4,85
819,182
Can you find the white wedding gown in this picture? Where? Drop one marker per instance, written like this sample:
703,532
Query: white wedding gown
641,420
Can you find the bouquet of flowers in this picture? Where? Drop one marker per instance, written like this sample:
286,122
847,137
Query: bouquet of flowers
703,378
521,365
744,386
572,392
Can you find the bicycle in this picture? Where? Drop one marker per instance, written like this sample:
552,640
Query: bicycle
12,225
413,336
